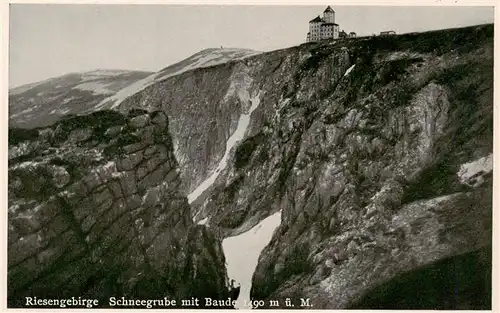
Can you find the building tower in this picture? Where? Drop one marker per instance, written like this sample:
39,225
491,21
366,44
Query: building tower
329,15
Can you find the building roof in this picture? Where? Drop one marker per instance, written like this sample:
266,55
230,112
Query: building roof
326,24
316,20
329,9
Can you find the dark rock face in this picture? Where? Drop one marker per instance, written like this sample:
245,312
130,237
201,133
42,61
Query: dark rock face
374,188
200,123
95,210
370,148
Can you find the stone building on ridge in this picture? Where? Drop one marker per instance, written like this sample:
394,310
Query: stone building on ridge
323,28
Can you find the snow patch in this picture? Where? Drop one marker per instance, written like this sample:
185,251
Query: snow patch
67,100
237,136
128,91
349,70
61,112
472,173
95,87
203,221
102,73
23,112
242,254
64,111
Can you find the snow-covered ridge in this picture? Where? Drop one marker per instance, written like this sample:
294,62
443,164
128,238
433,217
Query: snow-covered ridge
209,57
24,88
205,58
82,77
43,103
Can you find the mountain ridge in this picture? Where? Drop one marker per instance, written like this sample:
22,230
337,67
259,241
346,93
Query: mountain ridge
205,58
31,110
43,103
96,70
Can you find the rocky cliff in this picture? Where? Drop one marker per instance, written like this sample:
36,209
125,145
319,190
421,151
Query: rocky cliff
95,211
372,156
376,151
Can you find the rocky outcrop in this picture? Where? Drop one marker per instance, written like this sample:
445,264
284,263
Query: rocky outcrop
360,143
95,210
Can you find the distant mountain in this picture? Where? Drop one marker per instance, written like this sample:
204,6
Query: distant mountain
204,58
42,103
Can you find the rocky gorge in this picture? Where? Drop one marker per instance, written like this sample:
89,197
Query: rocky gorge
95,210
372,156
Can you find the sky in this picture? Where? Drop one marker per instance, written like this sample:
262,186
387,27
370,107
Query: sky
49,40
